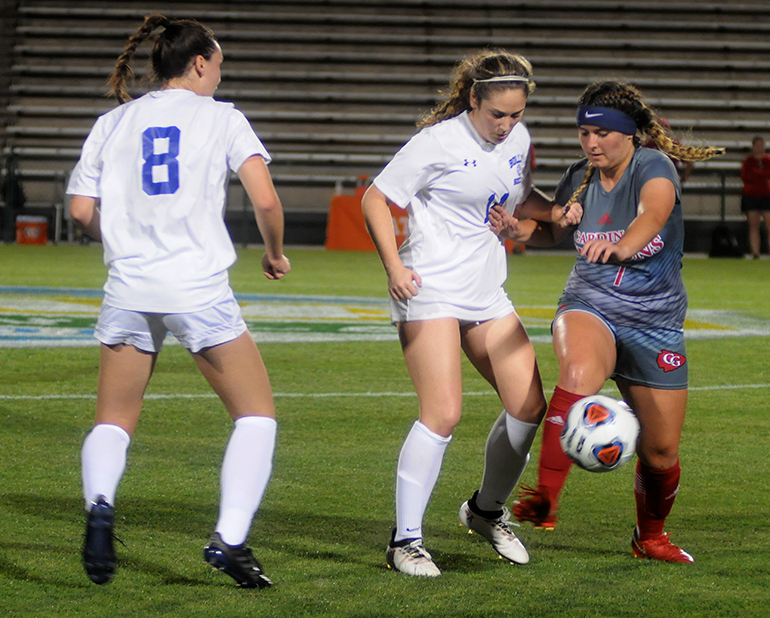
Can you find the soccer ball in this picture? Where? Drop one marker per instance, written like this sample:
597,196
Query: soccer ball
600,433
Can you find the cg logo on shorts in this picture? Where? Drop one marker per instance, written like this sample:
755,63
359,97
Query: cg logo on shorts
669,361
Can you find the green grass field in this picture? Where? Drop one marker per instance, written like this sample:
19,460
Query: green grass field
344,408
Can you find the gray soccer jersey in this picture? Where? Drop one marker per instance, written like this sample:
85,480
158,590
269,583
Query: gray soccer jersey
647,290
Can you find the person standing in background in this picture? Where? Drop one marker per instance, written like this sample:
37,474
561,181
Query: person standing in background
755,197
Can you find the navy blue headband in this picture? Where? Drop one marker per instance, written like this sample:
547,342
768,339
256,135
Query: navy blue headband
606,118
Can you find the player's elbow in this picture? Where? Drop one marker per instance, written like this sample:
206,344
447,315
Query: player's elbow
373,200
268,205
82,210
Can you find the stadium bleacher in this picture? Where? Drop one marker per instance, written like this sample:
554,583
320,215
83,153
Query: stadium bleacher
334,87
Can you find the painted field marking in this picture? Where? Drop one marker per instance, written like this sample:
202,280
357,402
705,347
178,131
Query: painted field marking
65,317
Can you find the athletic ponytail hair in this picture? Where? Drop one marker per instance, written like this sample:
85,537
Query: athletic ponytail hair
174,48
586,179
483,65
628,99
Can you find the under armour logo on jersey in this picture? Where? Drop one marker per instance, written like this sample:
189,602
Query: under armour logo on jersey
469,162
605,220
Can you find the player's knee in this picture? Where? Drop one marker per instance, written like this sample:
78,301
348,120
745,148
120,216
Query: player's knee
577,375
441,420
533,411
449,422
658,457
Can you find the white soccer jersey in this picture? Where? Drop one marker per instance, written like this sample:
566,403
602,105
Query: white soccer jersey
160,166
448,177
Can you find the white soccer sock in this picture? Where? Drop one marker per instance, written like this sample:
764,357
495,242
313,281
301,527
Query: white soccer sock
246,470
103,460
506,456
419,465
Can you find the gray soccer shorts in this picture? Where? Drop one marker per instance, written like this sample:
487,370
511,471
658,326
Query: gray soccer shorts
653,357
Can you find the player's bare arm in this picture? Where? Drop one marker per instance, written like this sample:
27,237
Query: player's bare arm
535,232
656,203
86,215
540,207
269,214
403,283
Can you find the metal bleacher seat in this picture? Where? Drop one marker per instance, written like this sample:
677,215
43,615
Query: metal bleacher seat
334,87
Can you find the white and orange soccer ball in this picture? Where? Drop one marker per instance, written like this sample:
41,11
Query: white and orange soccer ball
600,433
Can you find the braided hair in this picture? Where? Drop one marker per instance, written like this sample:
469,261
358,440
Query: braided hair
174,48
626,98
482,65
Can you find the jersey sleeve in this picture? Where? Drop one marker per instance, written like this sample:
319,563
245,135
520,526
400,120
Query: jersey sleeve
85,178
569,182
242,142
659,166
419,163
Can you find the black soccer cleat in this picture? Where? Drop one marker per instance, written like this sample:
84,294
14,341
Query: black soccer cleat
237,561
99,557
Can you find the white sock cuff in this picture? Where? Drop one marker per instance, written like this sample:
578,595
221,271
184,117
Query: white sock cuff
265,423
119,432
440,440
520,434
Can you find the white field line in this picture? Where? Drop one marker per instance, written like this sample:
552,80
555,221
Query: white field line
716,387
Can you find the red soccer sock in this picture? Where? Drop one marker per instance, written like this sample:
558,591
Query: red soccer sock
655,492
554,465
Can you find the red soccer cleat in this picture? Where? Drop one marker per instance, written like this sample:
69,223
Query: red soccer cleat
535,507
660,548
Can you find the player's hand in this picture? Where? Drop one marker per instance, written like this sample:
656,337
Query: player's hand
502,223
567,216
603,251
275,269
403,283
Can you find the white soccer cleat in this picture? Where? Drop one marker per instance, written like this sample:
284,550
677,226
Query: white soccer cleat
412,559
496,531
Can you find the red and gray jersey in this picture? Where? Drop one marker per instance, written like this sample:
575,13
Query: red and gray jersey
645,291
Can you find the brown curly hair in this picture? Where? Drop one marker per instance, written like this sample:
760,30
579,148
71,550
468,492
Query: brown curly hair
628,99
482,65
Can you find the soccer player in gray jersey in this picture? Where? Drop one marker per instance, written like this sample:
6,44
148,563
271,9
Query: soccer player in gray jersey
621,314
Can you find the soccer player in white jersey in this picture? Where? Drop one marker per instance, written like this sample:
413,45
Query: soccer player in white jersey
446,293
150,185
621,314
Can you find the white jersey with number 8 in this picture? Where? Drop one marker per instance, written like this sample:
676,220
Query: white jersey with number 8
160,166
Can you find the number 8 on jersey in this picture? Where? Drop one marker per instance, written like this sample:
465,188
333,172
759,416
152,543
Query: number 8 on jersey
165,139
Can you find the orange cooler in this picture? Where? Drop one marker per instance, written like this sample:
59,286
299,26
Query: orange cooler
31,230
